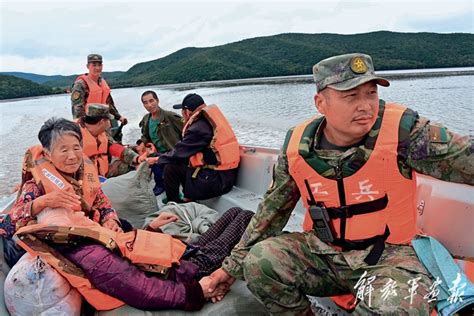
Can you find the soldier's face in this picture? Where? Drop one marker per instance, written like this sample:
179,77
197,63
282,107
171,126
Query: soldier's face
349,114
105,124
95,68
66,154
150,103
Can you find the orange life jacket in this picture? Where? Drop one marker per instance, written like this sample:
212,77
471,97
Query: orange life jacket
97,94
377,181
224,143
74,275
97,150
45,174
150,251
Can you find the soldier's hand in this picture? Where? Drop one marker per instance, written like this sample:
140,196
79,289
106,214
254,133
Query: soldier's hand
217,278
152,160
123,120
141,149
150,148
220,291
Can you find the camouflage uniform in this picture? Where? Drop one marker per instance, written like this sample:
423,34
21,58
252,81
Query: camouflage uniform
122,165
117,166
282,268
79,94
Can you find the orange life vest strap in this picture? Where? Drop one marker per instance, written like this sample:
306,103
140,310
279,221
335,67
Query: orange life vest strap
151,248
68,270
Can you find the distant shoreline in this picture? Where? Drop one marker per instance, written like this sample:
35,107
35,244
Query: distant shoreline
389,74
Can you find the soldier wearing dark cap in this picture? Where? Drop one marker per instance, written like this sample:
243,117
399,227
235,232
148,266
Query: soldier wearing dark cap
92,88
204,162
111,158
354,168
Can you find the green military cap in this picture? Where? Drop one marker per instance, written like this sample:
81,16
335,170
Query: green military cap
94,58
345,72
98,110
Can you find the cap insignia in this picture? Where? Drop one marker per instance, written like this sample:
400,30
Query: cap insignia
358,65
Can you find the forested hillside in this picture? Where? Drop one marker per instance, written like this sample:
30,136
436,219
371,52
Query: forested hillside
295,54
277,55
13,87
66,82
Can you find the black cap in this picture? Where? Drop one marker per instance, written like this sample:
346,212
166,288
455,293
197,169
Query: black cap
190,102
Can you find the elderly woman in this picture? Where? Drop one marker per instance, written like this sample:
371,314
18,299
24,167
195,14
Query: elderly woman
56,174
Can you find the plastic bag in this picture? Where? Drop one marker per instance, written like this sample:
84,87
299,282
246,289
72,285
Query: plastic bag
132,195
32,287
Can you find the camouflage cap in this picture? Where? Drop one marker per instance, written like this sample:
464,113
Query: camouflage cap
345,72
99,110
94,58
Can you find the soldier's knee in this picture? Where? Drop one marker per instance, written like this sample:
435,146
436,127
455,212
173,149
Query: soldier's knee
260,261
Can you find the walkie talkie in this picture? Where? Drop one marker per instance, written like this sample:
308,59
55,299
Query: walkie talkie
319,214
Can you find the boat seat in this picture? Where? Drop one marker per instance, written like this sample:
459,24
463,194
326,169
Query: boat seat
255,175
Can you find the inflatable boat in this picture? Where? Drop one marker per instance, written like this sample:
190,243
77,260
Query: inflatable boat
445,211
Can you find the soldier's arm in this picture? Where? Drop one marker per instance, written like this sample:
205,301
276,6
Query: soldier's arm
78,99
271,217
113,108
436,151
127,156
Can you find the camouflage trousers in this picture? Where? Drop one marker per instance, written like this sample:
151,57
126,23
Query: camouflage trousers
281,271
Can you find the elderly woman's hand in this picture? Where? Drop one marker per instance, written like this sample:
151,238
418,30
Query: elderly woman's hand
112,225
57,199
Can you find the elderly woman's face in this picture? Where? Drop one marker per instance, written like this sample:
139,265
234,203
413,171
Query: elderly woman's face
66,154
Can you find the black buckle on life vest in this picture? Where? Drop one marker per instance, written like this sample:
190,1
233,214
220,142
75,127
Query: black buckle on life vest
375,253
348,211
340,212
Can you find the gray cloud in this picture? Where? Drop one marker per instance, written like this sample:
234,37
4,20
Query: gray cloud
36,33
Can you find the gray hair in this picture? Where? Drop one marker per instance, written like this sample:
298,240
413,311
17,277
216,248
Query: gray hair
54,128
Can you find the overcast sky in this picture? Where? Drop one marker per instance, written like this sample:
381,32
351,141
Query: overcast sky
54,37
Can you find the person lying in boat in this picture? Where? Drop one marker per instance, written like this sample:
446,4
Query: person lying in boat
205,161
58,162
110,158
354,168
146,270
161,130
57,175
